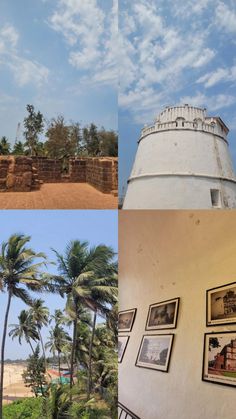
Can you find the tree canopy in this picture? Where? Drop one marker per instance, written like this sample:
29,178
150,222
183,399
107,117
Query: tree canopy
59,139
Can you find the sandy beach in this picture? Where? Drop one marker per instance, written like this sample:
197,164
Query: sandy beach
14,387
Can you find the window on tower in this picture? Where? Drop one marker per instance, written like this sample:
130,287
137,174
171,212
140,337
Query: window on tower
215,198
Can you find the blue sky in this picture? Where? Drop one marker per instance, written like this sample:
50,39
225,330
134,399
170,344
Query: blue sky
53,229
58,55
174,52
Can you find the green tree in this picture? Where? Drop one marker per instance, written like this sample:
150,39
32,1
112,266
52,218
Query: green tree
58,403
63,140
18,149
26,329
83,318
108,143
104,294
34,375
91,140
214,343
5,146
112,321
79,267
40,316
18,275
58,317
74,143
34,125
40,149
106,366
57,339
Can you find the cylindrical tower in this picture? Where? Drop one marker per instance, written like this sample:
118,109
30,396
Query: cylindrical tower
182,162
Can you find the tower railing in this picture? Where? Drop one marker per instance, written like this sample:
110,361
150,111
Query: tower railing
125,413
181,124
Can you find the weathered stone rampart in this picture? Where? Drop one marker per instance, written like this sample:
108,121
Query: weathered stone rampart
19,173
16,173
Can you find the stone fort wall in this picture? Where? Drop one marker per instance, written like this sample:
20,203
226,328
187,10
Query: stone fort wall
19,173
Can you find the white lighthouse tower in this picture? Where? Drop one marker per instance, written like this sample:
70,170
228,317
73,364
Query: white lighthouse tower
182,162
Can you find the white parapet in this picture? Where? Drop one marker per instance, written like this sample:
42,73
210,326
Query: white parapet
182,162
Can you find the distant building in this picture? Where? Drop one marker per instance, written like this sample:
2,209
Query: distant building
226,359
183,161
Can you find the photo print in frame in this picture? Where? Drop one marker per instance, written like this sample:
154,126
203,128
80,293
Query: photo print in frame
126,320
221,305
155,351
163,315
219,358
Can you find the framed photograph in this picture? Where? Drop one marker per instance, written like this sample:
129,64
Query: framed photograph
122,344
154,352
221,305
163,315
126,320
219,358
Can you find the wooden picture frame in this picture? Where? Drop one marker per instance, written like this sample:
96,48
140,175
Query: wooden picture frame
126,320
219,358
221,305
122,344
155,352
163,315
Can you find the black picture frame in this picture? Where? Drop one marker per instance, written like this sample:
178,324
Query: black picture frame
164,314
220,305
162,364
121,349
217,367
128,319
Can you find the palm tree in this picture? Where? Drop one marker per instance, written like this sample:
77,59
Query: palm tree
25,329
18,275
58,317
84,323
104,292
57,405
57,339
78,268
106,366
40,315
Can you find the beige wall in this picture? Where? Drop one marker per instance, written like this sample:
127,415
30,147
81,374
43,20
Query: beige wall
162,255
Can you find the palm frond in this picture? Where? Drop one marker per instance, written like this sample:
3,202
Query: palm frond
23,295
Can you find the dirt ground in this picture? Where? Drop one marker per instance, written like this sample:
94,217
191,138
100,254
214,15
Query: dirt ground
59,196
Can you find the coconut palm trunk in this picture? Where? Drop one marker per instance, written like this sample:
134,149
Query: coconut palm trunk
43,349
59,365
30,344
3,350
90,381
41,341
73,355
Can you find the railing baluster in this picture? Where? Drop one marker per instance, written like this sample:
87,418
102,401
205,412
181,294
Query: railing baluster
125,413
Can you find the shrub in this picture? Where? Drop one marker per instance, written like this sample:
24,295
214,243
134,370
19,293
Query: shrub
23,409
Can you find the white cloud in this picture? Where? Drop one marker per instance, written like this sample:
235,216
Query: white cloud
156,56
213,103
91,36
225,17
187,8
9,36
219,75
206,56
25,71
